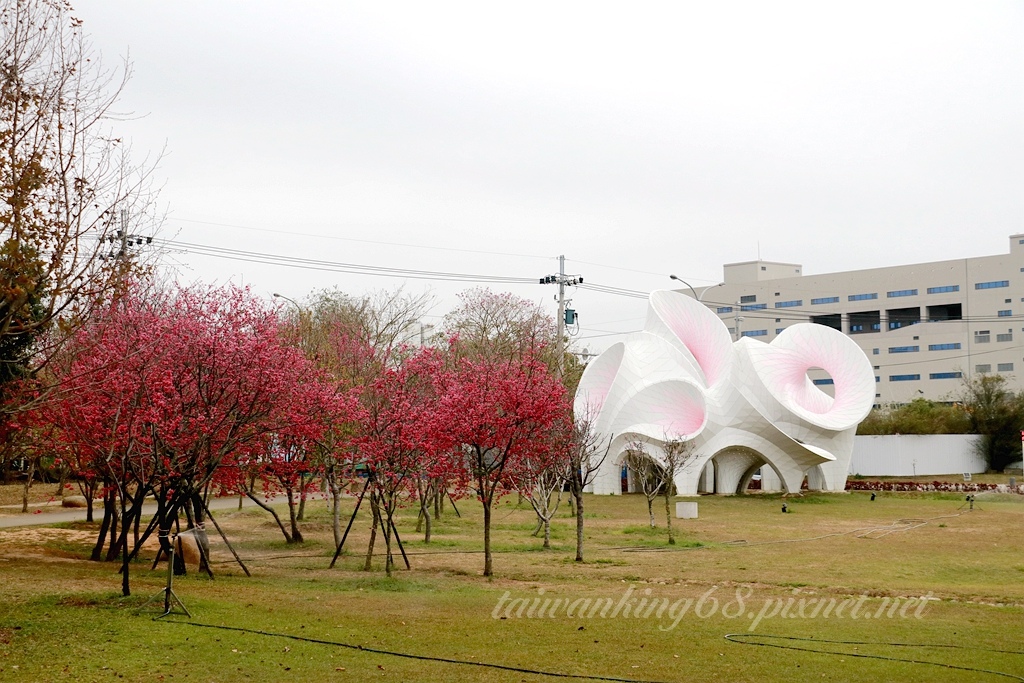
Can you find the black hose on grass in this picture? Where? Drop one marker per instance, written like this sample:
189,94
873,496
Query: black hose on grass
407,655
746,640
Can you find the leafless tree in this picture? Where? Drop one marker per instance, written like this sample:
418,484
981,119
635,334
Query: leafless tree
541,481
676,453
70,193
647,473
501,326
587,452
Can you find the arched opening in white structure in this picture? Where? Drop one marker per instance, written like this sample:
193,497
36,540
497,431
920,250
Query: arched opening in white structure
768,478
731,470
642,473
822,380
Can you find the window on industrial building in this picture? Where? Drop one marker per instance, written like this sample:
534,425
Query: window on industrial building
983,367
874,352
748,298
904,349
724,309
789,304
833,320
903,317
1008,337
945,375
1005,313
1005,367
982,337
992,285
865,321
903,378
944,347
778,330
901,292
764,268
877,380
862,297
821,382
753,307
754,333
944,289
831,299
945,312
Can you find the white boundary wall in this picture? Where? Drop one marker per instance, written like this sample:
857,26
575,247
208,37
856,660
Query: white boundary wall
907,455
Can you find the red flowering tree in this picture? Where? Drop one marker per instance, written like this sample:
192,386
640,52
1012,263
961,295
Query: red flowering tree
500,412
164,387
405,437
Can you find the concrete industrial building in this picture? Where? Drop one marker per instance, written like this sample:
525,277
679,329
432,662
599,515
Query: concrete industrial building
924,327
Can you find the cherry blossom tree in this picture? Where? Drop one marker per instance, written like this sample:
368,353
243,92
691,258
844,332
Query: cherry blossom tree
499,412
405,438
164,388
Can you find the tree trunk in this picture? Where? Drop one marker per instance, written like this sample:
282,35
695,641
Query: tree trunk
650,511
375,514
336,511
108,512
302,498
202,540
28,484
488,560
280,524
296,534
88,490
668,519
389,560
547,533
425,517
579,522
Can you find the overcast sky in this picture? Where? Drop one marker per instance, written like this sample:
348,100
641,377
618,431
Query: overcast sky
637,139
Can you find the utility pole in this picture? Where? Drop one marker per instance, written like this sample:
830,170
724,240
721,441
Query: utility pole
738,319
564,315
124,240
560,352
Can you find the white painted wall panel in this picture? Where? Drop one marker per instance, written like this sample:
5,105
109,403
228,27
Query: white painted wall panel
908,455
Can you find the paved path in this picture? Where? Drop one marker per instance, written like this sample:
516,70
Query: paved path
79,514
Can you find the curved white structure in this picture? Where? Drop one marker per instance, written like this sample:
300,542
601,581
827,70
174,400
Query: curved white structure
743,405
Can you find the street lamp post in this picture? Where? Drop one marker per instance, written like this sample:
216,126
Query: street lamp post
288,299
703,292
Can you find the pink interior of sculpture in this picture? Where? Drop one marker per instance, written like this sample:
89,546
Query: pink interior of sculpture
783,367
698,329
597,381
675,408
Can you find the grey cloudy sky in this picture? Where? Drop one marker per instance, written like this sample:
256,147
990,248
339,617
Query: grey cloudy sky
637,139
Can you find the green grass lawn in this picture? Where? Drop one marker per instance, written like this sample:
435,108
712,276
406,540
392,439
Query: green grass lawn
62,617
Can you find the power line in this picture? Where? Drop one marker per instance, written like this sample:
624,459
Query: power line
339,267
363,241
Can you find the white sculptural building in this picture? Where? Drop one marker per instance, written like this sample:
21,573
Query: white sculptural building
745,406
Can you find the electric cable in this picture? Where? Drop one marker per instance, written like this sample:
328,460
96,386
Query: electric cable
341,267
746,638
409,655
292,233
